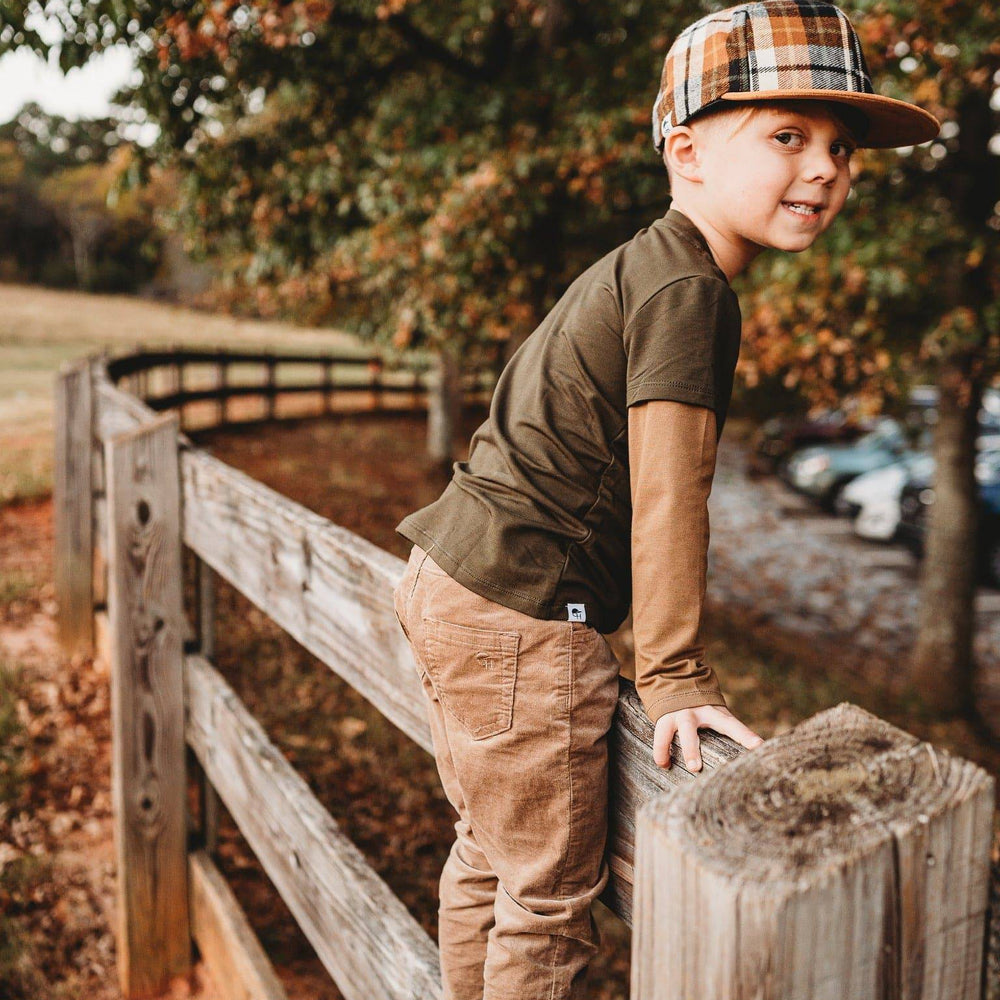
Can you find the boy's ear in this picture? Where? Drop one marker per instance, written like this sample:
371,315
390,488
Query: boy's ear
680,153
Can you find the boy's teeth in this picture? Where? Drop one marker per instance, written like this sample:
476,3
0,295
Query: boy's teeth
802,209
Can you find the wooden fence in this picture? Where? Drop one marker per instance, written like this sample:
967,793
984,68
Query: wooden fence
844,859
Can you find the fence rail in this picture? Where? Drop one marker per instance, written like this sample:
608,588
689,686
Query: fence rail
163,379
867,894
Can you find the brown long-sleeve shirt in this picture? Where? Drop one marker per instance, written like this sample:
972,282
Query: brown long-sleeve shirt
538,518
672,453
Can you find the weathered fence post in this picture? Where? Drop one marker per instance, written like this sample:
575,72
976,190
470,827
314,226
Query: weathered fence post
222,385
416,386
73,506
208,797
179,384
375,366
271,383
147,705
141,384
327,383
845,858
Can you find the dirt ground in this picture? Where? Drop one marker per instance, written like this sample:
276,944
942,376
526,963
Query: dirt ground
57,869
56,847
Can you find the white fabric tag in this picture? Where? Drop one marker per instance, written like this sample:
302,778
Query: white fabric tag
577,612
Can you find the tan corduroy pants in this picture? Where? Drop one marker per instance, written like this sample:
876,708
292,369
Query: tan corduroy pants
519,710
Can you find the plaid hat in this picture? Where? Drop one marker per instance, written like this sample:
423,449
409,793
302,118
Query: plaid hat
785,50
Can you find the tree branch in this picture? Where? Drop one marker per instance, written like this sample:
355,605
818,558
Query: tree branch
435,51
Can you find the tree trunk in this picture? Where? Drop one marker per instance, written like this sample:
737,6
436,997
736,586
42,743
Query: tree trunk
942,664
86,227
444,409
80,237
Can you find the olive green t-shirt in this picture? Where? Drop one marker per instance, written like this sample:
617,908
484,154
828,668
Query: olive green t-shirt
539,516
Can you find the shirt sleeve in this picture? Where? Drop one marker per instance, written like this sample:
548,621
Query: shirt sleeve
679,343
672,453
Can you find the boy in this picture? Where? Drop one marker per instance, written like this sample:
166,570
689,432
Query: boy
587,486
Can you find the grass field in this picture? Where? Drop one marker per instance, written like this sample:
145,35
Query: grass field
40,328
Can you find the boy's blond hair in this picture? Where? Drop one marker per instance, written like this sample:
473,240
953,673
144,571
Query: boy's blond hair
737,117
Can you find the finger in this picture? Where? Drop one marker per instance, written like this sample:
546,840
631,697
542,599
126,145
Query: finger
727,724
662,737
687,728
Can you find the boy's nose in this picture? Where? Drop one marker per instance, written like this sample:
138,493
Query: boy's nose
820,166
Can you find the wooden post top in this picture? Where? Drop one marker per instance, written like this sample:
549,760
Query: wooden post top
815,799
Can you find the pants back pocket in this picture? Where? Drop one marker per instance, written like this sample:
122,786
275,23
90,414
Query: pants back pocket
473,671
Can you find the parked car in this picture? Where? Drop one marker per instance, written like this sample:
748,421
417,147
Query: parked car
923,404
989,520
918,494
872,500
778,437
822,471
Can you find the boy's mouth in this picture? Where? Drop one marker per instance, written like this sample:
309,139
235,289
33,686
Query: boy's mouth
802,207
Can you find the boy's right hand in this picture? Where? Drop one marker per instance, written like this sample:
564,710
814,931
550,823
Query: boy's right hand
687,722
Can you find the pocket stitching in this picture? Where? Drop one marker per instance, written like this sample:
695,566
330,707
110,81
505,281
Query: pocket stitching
506,644
477,637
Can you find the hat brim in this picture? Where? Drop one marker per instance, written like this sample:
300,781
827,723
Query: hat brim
891,122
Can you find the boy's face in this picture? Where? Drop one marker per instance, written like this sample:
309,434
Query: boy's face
778,180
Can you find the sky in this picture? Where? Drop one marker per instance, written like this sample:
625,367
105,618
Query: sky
81,93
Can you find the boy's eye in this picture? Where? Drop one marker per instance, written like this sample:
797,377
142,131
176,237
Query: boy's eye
791,139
